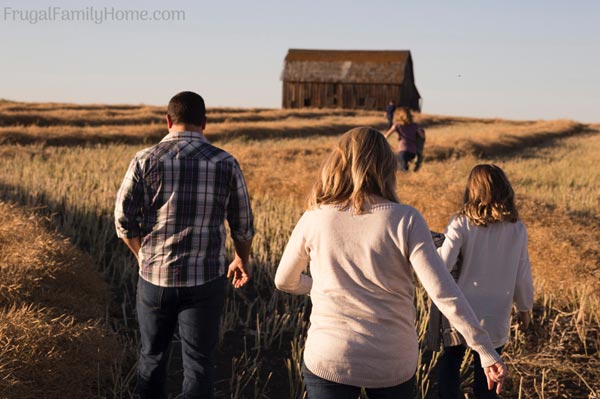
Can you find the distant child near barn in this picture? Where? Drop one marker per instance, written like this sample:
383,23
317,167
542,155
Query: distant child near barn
494,271
390,109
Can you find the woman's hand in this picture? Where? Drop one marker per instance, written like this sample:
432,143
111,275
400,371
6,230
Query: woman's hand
495,374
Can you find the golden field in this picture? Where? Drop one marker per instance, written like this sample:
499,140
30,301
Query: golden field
62,164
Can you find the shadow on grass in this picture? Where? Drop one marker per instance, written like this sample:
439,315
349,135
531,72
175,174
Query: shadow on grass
119,116
15,127
155,134
510,146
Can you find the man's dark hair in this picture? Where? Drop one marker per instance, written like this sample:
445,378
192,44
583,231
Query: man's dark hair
187,107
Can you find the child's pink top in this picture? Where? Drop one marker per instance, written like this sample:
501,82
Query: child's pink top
407,137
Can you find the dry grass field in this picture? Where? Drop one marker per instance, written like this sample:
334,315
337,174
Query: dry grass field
55,339
64,162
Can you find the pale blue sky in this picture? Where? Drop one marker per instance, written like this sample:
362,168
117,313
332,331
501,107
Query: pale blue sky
516,59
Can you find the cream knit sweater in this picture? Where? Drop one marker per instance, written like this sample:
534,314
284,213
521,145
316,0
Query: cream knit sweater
362,330
495,271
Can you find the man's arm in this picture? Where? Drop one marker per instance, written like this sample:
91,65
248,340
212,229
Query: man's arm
241,223
134,244
239,268
127,208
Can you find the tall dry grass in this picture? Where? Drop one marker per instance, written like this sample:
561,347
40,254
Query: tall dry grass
564,175
280,153
55,339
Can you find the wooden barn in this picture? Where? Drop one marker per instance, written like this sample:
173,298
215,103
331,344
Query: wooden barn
363,79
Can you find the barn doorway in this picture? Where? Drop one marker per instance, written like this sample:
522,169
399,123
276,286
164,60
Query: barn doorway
331,94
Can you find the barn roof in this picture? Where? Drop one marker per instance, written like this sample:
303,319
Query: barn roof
345,66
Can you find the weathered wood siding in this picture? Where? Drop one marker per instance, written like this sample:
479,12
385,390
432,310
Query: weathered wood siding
341,95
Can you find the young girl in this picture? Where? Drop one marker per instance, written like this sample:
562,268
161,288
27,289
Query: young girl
494,271
363,246
411,139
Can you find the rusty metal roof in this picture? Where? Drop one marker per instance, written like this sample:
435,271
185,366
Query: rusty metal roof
348,66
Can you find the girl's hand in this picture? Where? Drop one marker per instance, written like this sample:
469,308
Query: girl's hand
495,374
525,319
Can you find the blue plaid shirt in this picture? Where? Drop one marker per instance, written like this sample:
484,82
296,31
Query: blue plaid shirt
176,197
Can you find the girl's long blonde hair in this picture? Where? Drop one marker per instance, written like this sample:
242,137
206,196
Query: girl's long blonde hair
361,165
403,116
489,197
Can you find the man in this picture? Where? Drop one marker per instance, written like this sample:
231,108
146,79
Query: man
170,211
389,113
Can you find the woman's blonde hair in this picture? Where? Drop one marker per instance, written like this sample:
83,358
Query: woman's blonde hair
403,116
361,165
489,197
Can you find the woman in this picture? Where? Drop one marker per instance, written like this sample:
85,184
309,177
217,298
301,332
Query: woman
411,139
494,271
362,246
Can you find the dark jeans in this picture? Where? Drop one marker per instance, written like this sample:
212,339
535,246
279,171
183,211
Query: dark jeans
319,388
449,381
419,161
404,157
198,312
420,148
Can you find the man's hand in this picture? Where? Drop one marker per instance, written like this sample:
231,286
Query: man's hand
240,272
495,374
239,269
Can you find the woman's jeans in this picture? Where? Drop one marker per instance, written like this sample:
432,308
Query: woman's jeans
198,312
449,381
319,388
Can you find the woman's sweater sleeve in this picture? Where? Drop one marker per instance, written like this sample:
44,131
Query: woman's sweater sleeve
523,295
294,261
444,292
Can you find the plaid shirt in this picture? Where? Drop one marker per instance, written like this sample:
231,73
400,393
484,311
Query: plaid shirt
176,197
